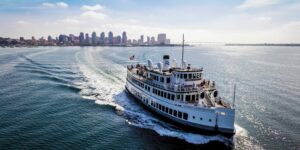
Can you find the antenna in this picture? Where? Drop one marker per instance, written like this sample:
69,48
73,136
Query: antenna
182,54
233,101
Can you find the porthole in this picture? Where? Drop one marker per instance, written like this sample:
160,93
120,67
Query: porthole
209,120
201,118
193,117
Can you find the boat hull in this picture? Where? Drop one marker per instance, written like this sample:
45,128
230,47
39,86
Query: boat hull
183,124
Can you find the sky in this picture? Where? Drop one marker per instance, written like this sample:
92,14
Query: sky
227,21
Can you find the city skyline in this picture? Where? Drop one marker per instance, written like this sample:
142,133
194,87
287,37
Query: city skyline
240,21
87,39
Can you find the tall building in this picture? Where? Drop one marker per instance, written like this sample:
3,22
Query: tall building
50,39
110,38
62,39
102,38
141,40
161,38
153,40
81,38
94,38
124,38
148,40
118,40
87,38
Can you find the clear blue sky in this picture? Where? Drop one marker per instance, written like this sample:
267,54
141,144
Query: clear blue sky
248,21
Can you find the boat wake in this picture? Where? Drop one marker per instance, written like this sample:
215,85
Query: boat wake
108,89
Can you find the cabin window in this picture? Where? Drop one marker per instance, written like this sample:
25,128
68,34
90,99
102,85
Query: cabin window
209,120
163,108
201,118
181,76
172,97
167,110
193,97
171,111
179,114
185,116
156,105
175,113
187,98
159,106
190,76
185,76
161,79
158,92
168,80
169,96
178,96
165,94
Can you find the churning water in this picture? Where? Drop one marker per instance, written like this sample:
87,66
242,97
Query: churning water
72,97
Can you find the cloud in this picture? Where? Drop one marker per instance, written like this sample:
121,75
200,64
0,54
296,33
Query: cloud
93,15
256,4
48,5
55,5
92,8
22,22
70,21
62,5
264,19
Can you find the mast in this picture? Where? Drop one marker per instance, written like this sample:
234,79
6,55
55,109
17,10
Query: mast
233,101
182,53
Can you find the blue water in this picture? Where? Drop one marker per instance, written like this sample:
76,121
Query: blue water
73,98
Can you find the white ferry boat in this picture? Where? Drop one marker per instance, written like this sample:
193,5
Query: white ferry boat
181,95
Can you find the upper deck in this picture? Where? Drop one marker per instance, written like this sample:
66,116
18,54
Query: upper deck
185,85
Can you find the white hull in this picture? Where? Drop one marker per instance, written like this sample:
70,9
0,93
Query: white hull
205,118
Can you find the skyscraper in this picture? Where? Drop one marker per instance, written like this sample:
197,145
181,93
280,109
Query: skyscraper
87,39
94,38
102,38
110,38
81,38
142,40
49,39
118,40
161,38
152,40
124,38
148,40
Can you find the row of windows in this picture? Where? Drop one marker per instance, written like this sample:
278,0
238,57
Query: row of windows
164,94
138,83
189,76
161,79
170,111
147,88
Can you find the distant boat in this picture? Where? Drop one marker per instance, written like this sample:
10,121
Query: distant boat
180,95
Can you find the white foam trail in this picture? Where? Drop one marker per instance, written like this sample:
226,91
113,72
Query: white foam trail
107,91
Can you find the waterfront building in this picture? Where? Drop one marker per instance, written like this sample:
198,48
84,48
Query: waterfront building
148,40
110,38
153,40
161,38
81,38
94,38
141,41
124,38
102,38
87,39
